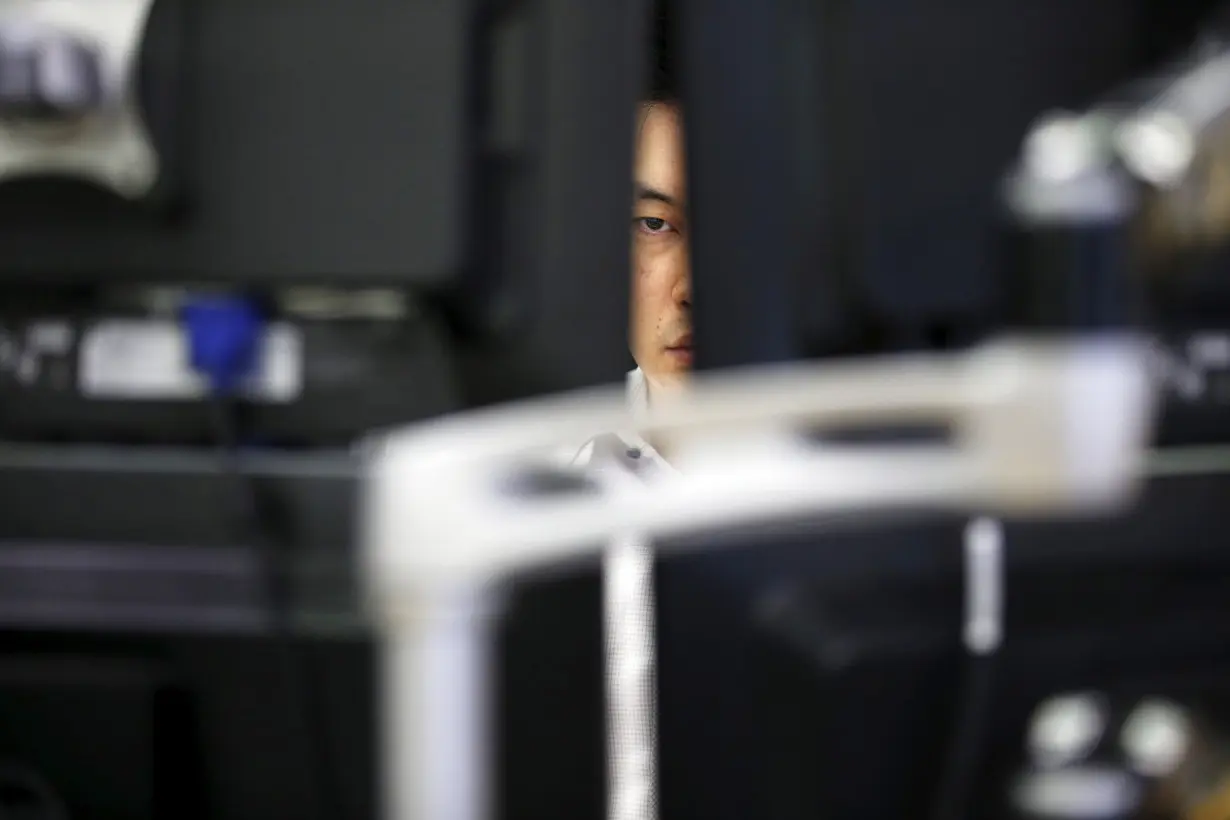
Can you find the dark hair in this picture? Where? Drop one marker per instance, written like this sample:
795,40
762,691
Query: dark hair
662,86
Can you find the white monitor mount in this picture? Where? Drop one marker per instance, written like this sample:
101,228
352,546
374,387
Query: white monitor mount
456,505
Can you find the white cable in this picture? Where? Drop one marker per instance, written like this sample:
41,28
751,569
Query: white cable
631,657
628,606
984,586
628,632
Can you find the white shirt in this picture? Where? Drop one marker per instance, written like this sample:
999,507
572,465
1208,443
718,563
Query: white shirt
638,401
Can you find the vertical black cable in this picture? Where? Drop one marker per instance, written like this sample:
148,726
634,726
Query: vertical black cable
738,133
959,775
256,522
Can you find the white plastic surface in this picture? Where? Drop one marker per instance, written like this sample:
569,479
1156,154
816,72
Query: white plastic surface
1036,428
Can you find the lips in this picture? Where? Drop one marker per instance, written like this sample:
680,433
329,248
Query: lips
681,351
684,343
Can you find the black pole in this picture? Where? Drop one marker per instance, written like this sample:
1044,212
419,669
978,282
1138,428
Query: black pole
740,190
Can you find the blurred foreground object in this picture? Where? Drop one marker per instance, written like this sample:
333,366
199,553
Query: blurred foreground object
1125,209
465,242
454,507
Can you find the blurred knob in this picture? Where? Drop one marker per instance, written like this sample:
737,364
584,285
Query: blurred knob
1068,248
48,75
1066,729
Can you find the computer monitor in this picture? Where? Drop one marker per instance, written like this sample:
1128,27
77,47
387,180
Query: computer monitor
180,630
269,149
427,204
847,168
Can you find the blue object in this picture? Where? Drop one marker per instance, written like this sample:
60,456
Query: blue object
224,338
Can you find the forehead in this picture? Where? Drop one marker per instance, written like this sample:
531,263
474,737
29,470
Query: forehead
659,151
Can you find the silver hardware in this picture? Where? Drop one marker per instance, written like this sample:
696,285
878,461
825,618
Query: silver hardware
1066,729
984,543
109,145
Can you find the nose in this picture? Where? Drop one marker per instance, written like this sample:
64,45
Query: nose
682,291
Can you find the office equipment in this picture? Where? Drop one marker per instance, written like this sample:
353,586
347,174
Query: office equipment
468,162
145,670
874,144
454,507
766,342
440,518
862,648
883,225
417,209
1119,220
872,715
116,371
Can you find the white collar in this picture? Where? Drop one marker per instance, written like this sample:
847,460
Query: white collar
638,402
638,392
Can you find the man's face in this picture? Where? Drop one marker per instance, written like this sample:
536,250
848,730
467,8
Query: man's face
661,269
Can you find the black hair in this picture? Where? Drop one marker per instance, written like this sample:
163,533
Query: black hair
662,80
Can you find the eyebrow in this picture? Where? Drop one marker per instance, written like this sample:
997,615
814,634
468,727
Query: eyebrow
645,192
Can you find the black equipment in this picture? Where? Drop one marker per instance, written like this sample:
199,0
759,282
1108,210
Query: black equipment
876,155
179,627
821,685
844,687
402,212
155,663
882,229
854,157
825,673
428,217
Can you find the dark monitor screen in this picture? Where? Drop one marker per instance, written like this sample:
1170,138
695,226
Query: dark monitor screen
819,669
846,169
322,146
430,201
869,704
475,155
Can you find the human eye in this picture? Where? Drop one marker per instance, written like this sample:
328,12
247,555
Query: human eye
653,225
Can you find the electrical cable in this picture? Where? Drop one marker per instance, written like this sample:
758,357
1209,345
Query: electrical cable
984,582
959,775
224,337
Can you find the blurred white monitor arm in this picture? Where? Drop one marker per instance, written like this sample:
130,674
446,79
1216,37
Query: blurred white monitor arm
454,506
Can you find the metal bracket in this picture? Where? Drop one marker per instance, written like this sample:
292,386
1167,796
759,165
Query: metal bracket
111,146
1036,427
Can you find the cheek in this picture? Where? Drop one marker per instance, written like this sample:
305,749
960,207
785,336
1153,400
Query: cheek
653,278
650,296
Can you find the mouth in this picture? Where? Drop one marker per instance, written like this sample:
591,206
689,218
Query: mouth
681,350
